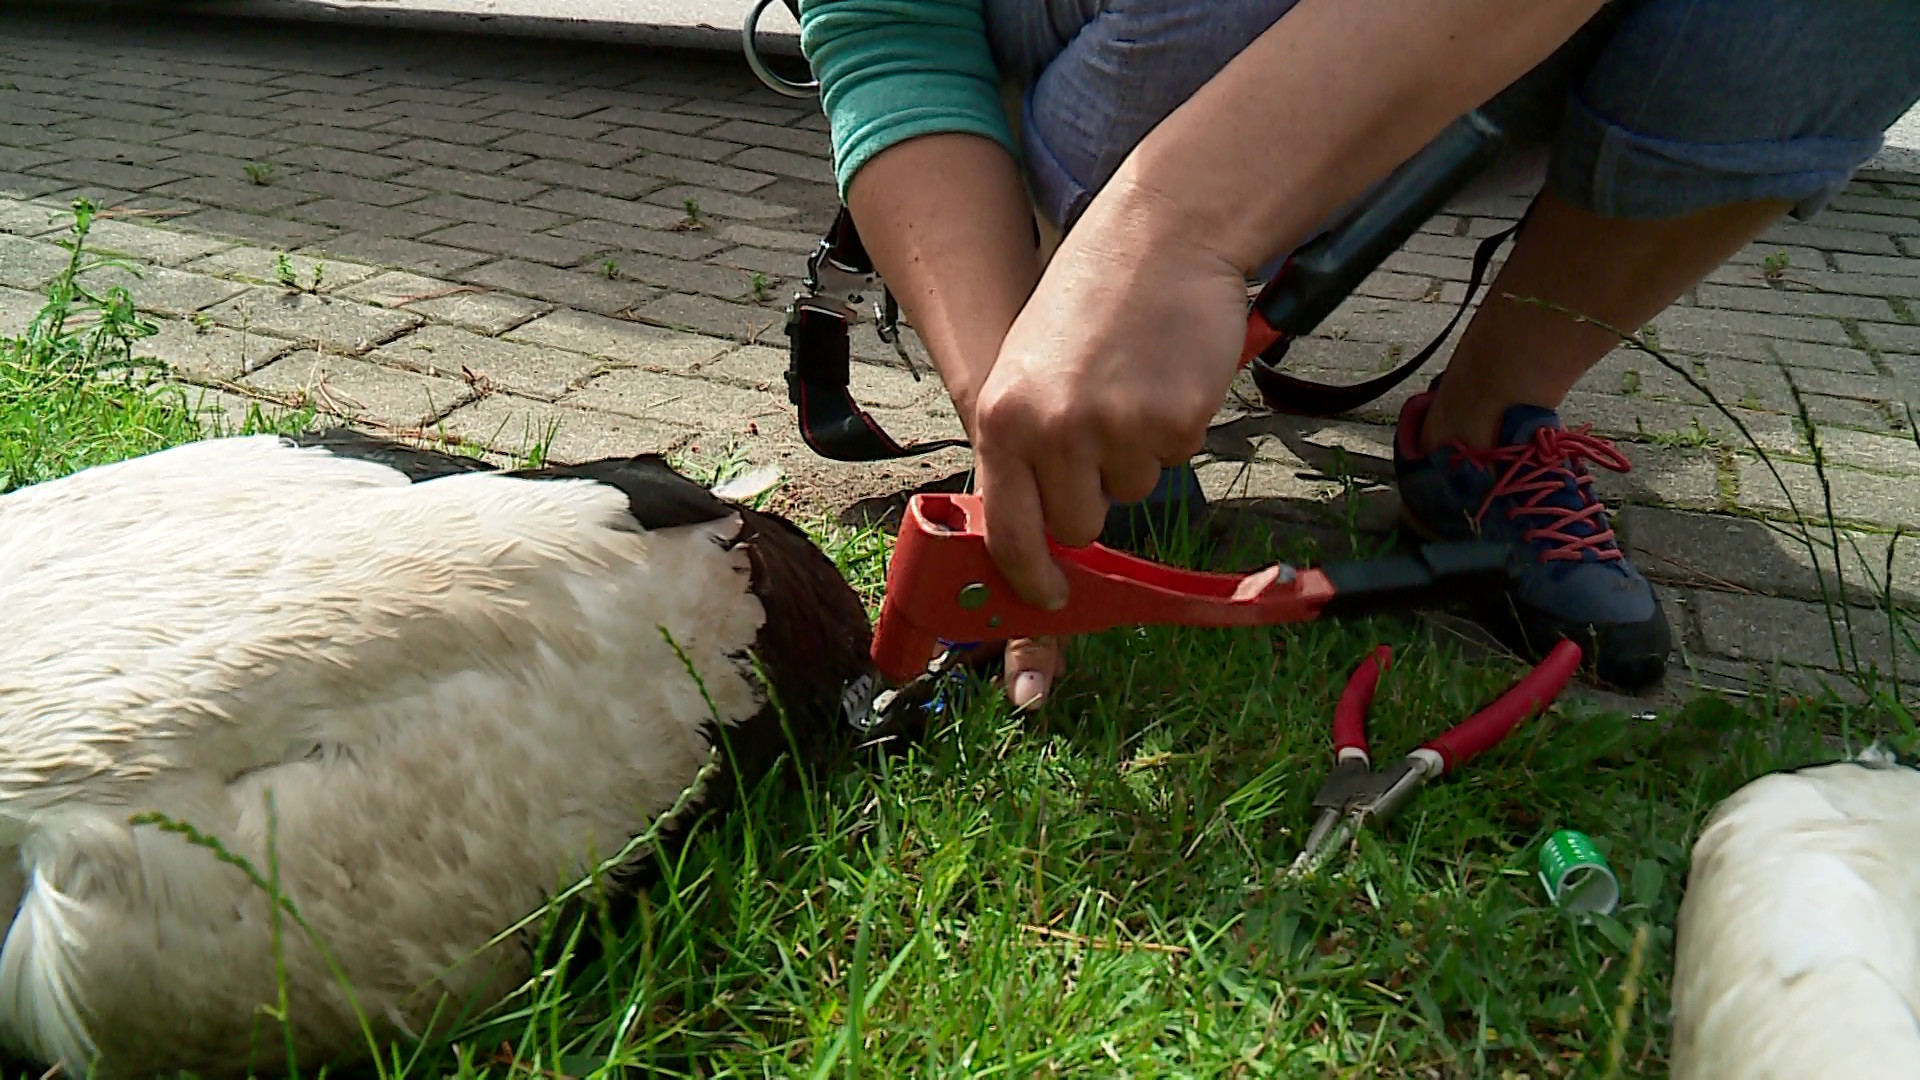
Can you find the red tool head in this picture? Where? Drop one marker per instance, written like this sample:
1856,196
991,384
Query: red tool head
943,586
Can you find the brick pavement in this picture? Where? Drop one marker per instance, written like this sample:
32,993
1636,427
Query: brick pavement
505,243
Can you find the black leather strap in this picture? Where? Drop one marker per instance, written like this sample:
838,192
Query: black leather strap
1301,397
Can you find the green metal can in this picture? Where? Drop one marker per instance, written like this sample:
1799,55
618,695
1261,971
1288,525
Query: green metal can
1576,875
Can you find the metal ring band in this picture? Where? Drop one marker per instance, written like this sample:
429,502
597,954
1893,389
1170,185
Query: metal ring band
778,85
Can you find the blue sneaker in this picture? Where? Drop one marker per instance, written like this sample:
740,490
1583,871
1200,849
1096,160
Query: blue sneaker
1175,504
1533,489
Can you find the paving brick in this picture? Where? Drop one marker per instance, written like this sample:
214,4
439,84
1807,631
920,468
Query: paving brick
379,250
782,239
811,144
433,95
1742,553
1672,477
455,156
491,362
620,340
100,149
18,307
1865,450
778,265
29,264
334,115
710,105
13,135
262,266
818,171
235,194
541,124
211,354
533,107
384,220
1769,630
704,314
711,408
681,276
243,126
477,185
571,288
23,218
1857,496
688,147
1891,264
489,212
354,189
585,151
658,119
517,425
212,142
1899,339
720,203
360,391
327,323
220,167
1733,332
516,243
1789,301
342,138
325,84
442,301
719,177
1649,420
350,162
614,182
31,116
162,290
1850,241
252,227
107,173
622,211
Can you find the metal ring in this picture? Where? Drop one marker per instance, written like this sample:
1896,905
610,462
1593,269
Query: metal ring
773,82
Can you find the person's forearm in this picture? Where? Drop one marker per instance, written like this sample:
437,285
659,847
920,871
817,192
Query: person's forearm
947,222
1327,101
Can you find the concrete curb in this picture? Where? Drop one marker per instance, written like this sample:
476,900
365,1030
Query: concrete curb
702,36
1895,163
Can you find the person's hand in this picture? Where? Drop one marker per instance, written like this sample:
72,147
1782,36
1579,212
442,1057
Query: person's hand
1112,370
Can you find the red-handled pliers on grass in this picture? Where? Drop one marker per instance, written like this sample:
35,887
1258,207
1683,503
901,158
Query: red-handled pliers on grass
1355,792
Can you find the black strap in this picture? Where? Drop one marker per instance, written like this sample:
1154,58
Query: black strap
1301,397
819,354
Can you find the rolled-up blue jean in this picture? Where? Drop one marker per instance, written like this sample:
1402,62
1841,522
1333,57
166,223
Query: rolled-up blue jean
1680,106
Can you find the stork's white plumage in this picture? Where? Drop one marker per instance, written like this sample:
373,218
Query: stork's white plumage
451,680
1799,937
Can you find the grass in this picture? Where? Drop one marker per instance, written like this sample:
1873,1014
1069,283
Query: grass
1094,889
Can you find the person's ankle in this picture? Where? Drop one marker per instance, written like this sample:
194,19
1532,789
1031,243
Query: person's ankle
1445,422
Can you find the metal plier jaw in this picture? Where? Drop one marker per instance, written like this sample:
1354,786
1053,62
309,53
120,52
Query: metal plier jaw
1355,794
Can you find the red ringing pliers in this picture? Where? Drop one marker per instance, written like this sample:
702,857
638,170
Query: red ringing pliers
1354,792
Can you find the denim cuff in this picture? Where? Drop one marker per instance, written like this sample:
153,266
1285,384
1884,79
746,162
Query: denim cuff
1616,173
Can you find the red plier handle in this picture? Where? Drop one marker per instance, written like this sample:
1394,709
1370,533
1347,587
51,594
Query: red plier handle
1472,736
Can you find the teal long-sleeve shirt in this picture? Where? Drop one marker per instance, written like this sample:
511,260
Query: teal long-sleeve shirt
892,70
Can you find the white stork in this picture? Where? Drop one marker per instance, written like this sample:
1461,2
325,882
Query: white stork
451,680
1798,950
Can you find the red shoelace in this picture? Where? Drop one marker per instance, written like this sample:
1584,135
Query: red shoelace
1534,471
